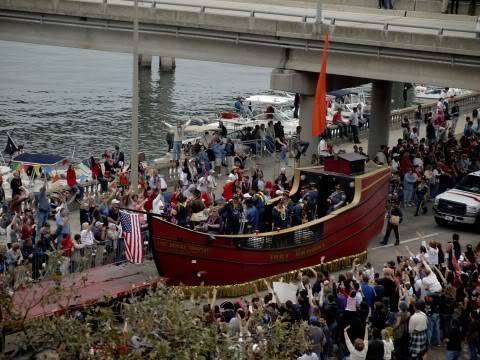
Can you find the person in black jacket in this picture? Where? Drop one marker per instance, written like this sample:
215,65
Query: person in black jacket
375,346
394,218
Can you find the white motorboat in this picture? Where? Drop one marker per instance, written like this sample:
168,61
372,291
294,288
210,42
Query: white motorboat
255,110
346,100
435,93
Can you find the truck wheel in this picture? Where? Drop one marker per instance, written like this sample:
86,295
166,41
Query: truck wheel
440,221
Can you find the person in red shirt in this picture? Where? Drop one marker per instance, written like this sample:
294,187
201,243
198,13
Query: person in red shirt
149,195
73,185
337,120
26,232
208,197
228,190
97,175
405,163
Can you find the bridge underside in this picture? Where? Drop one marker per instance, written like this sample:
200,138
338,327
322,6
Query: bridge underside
272,52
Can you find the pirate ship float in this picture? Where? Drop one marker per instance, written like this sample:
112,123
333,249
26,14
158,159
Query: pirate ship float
193,258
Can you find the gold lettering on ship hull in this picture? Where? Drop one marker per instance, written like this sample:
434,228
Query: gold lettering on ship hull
181,248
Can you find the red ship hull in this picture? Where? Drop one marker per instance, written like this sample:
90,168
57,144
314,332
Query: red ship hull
193,258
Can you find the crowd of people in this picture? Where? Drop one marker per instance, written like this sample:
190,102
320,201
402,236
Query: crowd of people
415,303
422,168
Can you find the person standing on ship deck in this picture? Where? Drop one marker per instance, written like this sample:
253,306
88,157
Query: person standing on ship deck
354,122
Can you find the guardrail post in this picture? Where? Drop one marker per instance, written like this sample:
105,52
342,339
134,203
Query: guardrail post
318,19
440,32
201,19
251,20
154,4
332,21
477,28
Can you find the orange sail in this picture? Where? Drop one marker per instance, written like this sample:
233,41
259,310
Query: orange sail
319,116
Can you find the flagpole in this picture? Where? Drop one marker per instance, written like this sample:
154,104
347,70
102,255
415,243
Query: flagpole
134,134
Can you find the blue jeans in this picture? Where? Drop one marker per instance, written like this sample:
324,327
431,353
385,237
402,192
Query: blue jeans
269,144
452,355
177,150
408,195
42,218
120,252
433,329
283,155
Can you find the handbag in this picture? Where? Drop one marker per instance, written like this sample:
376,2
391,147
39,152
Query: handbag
395,220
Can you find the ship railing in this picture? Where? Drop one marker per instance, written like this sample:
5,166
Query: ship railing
283,240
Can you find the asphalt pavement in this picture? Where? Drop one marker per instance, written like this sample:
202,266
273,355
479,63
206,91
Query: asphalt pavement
410,229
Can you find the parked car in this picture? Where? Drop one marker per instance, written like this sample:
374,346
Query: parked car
461,204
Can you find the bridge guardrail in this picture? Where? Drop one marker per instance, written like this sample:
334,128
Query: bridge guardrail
440,30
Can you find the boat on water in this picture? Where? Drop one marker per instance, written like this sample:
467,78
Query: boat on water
431,92
189,257
346,100
256,110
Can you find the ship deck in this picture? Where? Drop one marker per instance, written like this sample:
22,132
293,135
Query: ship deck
94,286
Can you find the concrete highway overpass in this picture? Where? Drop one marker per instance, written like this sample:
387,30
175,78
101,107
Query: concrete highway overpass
396,45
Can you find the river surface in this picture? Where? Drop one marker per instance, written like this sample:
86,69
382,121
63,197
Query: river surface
55,99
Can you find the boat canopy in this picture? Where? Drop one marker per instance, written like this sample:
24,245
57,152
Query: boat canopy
269,99
38,159
342,93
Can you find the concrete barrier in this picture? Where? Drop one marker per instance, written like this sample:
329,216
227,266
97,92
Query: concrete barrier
363,10
440,16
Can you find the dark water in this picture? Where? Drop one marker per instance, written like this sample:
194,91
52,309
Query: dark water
53,98
56,99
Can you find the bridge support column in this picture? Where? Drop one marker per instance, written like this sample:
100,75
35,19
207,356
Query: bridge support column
166,63
380,116
145,61
305,83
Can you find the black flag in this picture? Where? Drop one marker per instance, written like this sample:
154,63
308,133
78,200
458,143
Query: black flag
11,147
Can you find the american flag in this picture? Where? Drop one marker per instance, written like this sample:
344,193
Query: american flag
132,235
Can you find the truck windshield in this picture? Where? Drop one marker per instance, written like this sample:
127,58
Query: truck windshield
469,183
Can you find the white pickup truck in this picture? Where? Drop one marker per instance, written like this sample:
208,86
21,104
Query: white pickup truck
460,204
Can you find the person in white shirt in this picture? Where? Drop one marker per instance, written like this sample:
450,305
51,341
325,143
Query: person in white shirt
387,345
88,241
358,350
86,235
381,157
178,135
395,164
354,122
432,252
429,281
417,329
414,135
322,148
157,204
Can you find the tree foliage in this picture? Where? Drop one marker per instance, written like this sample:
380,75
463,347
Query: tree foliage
162,324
